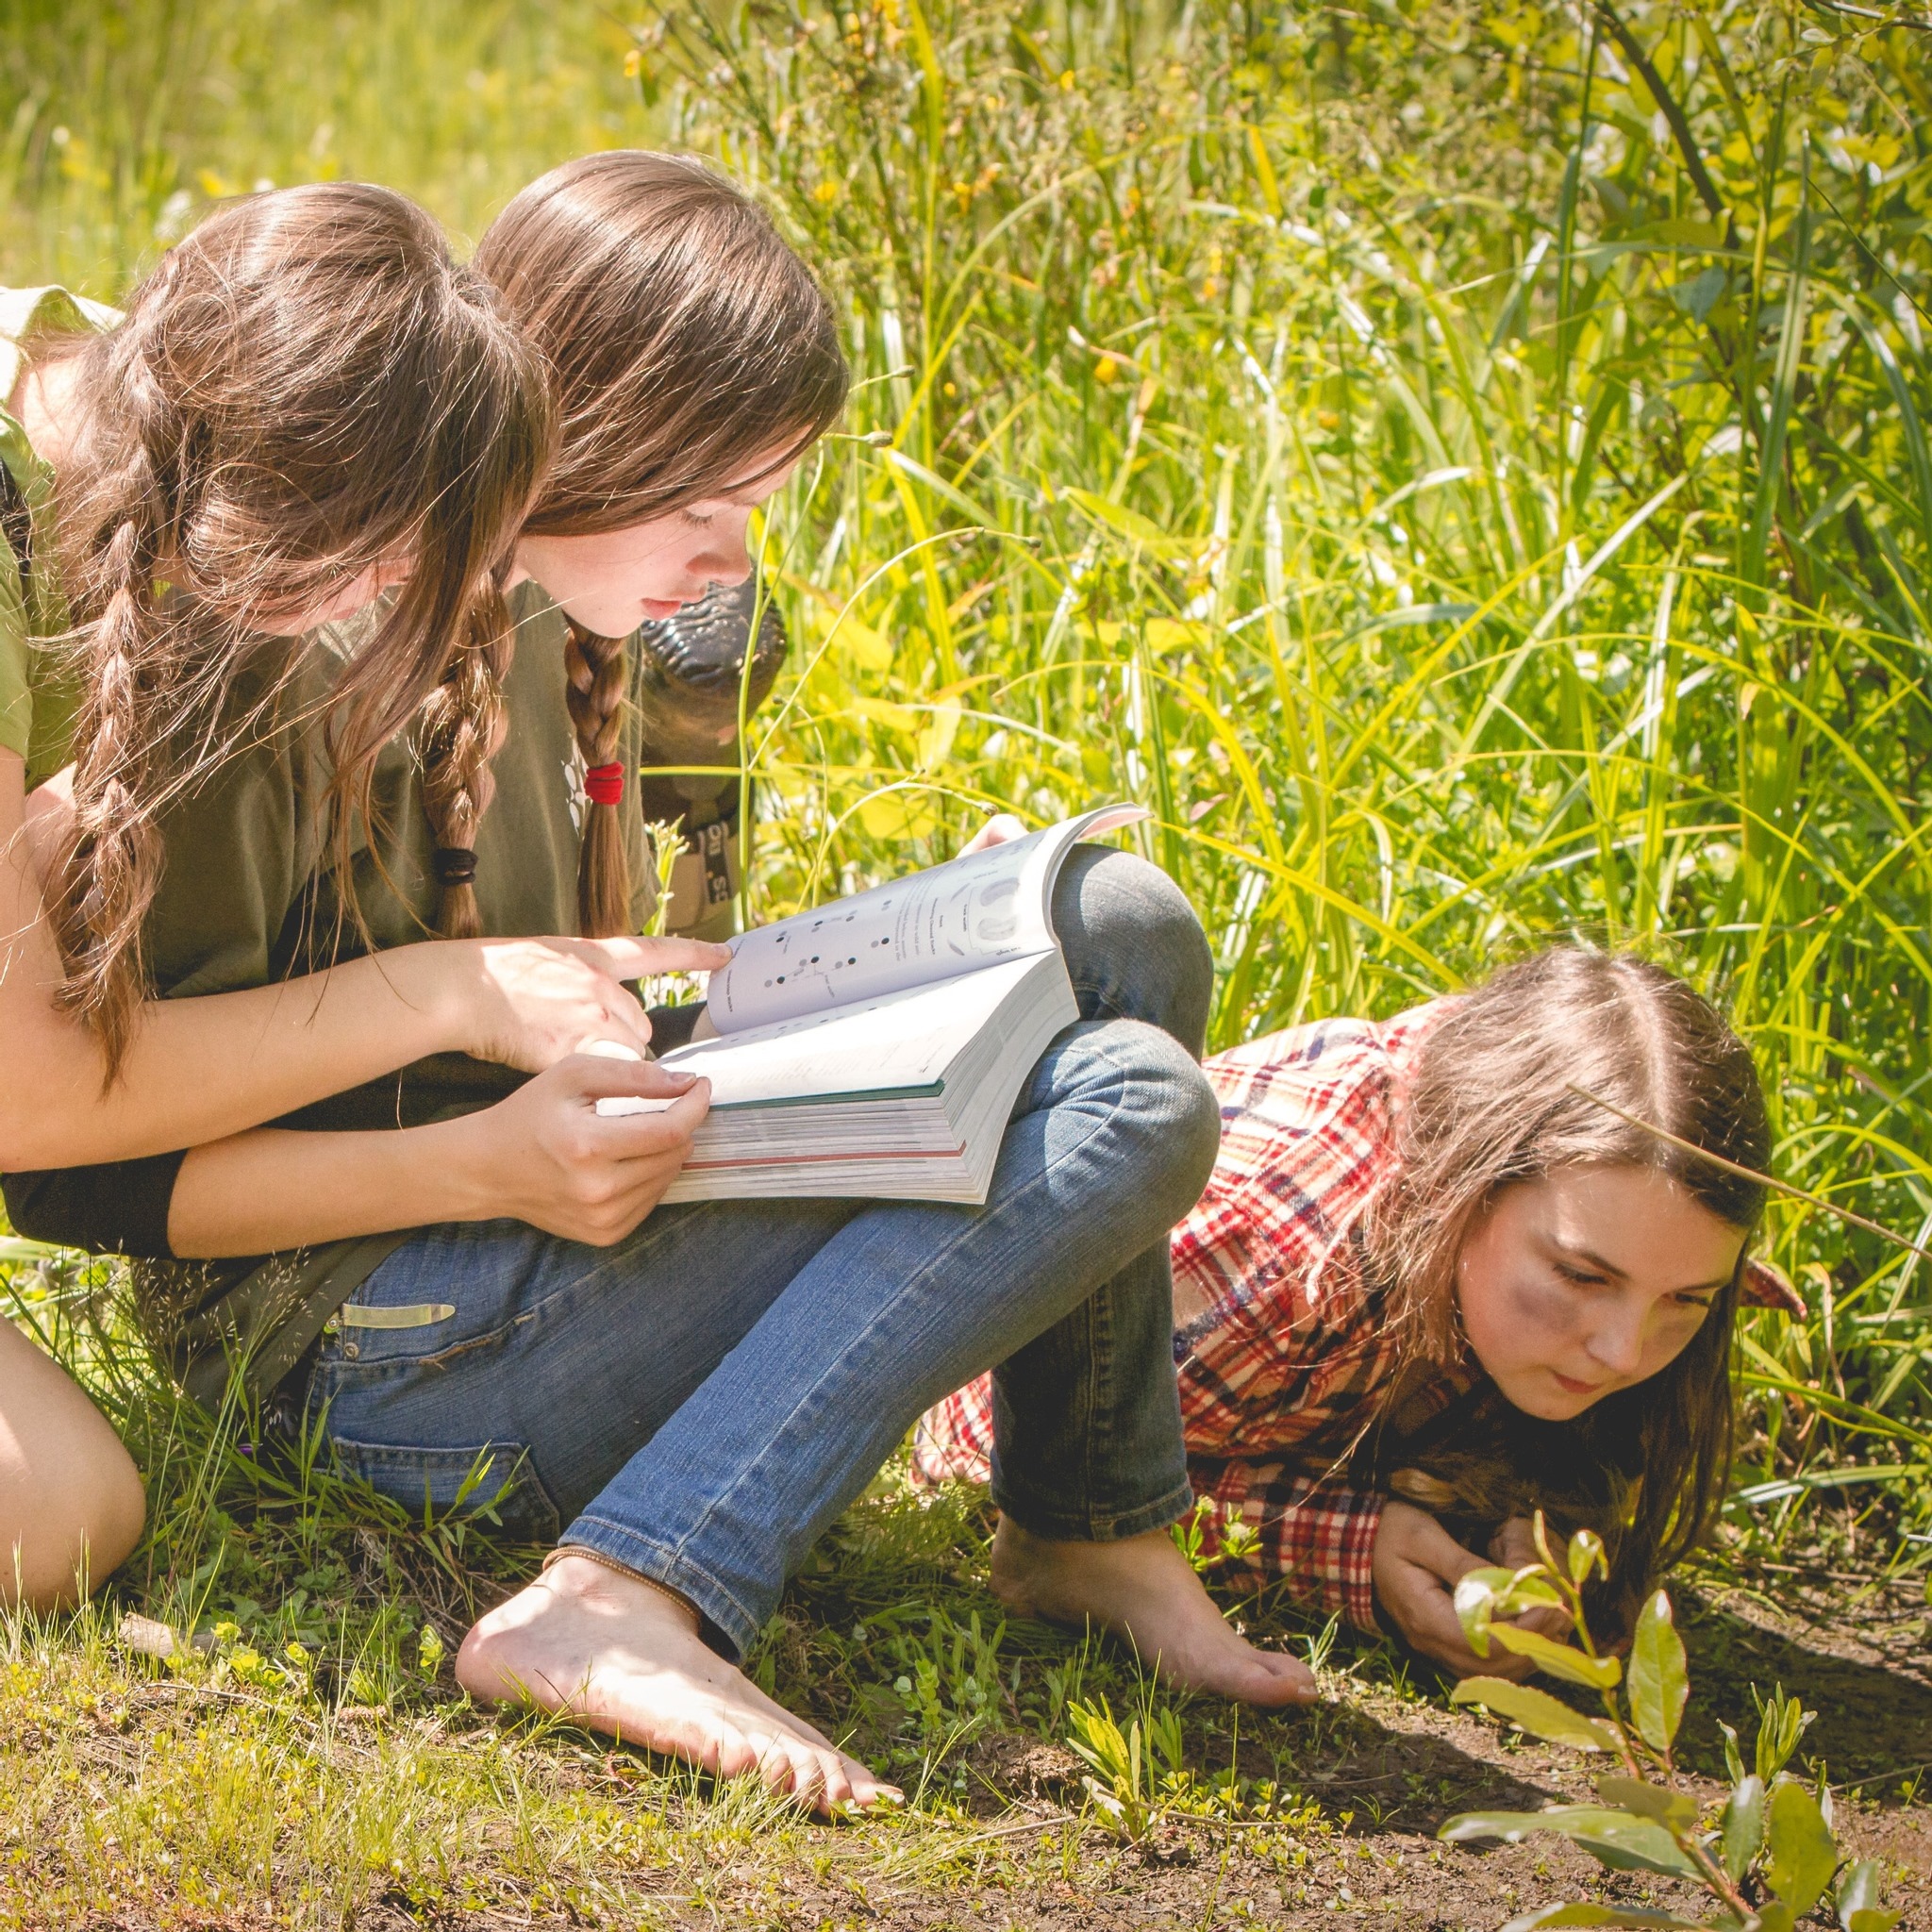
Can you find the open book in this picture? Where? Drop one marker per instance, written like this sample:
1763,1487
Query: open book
875,1047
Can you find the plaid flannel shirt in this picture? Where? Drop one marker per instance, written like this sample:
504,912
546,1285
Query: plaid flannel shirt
1285,1361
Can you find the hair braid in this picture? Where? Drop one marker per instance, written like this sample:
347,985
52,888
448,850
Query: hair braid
306,393
464,720
594,692
109,866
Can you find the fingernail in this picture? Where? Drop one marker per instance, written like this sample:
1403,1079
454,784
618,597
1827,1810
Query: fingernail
679,1076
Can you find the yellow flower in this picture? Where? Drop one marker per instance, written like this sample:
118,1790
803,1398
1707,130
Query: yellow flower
825,194
1108,370
633,63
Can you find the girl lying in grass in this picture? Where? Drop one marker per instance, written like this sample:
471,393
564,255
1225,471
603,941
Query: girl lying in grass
306,402
681,1397
1432,1288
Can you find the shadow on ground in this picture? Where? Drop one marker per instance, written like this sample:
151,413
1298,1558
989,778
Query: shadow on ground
1859,1662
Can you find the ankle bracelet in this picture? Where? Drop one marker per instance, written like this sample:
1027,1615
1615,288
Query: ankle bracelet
617,1569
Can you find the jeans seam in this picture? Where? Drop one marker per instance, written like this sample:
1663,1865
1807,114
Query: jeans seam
1099,1338
1103,996
1125,1079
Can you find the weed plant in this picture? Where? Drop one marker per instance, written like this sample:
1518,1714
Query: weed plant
1764,1861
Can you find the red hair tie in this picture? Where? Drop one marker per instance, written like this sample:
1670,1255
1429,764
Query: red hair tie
604,784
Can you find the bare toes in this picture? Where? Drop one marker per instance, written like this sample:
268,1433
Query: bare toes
1281,1680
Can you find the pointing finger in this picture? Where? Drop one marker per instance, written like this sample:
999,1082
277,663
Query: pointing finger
633,959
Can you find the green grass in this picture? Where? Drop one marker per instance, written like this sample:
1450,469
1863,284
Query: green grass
1359,434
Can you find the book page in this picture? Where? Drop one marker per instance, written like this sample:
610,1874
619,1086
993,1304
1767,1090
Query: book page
896,1042
974,911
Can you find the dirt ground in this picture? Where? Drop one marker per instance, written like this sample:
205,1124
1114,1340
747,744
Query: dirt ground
1365,1779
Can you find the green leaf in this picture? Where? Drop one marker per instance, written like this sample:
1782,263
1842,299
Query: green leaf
1800,1854
1916,450
1784,388
1742,1830
1607,1915
1508,1825
1562,1660
1686,233
1700,294
1477,1597
1783,1721
1672,1810
1127,522
1660,1683
11,1250
1615,1837
1535,1711
1586,1552
1508,1593
1859,1906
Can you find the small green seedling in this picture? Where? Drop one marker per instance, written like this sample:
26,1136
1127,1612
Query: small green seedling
1765,1860
1235,1539
1129,1769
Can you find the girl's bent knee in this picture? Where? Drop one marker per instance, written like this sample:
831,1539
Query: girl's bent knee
1120,919
1197,1140
66,1535
1178,1119
71,1502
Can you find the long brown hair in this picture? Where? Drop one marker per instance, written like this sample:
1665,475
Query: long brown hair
306,389
1492,1101
686,340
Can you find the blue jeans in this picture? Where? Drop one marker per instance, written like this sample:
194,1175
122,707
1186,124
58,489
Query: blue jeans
703,1399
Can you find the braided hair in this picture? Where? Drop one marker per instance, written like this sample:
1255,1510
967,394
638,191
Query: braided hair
305,392
595,670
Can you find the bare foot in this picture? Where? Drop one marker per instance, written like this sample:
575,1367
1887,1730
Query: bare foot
1143,1589
625,1658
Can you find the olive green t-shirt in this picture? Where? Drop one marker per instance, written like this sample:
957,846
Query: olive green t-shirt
249,896
36,689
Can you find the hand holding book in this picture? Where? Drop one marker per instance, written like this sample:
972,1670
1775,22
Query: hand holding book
874,1046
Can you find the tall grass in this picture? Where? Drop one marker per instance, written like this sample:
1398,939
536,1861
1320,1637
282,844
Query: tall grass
120,118
1462,466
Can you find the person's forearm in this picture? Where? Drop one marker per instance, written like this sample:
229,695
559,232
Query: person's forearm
270,1189
198,1069
544,1156
202,1068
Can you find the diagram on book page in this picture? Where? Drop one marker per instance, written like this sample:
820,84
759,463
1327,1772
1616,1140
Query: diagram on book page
971,912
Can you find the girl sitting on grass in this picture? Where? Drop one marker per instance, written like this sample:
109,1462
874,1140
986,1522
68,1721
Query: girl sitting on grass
307,403
681,1398
1433,1288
